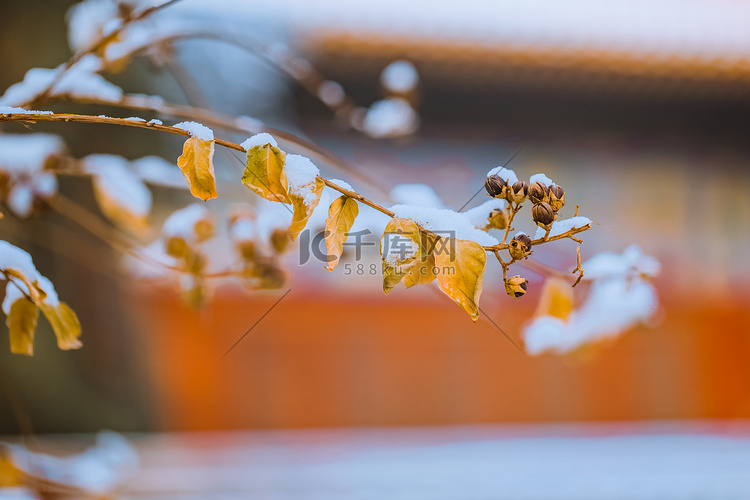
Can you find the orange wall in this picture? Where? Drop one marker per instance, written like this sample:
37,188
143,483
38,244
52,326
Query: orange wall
322,359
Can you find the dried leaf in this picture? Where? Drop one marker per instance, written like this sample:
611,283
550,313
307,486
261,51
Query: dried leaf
341,215
400,246
21,324
460,274
65,325
423,270
196,163
264,173
303,208
556,300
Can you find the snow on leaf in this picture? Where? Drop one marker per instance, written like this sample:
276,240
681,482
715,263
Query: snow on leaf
196,163
461,272
304,207
264,173
341,215
121,196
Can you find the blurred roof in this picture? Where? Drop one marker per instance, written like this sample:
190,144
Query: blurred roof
691,45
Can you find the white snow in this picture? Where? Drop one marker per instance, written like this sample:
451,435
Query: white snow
300,175
400,76
135,119
196,130
541,178
86,22
113,179
420,195
445,223
619,299
270,216
22,159
631,261
155,122
479,215
259,140
560,226
10,110
80,80
331,93
13,258
99,469
181,223
504,173
391,117
400,249
342,184
158,171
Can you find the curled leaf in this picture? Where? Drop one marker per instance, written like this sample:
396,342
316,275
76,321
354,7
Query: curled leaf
65,325
196,163
264,173
341,215
304,206
460,274
21,324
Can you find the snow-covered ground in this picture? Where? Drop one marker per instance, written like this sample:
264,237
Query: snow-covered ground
696,460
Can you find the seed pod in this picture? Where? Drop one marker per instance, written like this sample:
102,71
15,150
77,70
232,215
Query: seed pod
496,186
538,193
518,192
247,249
516,286
556,197
498,219
520,246
543,215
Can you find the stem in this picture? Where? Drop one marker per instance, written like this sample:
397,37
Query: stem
236,126
36,117
98,45
513,209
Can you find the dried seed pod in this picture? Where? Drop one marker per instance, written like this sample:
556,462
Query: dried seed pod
247,249
538,193
516,286
498,219
520,246
556,198
543,215
496,186
518,192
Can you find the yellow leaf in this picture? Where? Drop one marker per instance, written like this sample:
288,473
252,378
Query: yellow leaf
460,273
264,173
423,270
303,207
341,215
556,300
65,325
21,324
196,163
400,246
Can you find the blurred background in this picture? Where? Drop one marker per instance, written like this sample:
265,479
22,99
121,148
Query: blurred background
638,109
